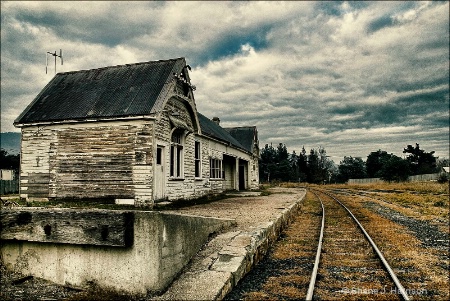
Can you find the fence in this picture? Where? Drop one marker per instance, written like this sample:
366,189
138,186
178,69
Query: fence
364,181
9,186
417,178
424,177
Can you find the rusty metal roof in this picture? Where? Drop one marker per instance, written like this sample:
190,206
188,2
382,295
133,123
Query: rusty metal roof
111,92
117,91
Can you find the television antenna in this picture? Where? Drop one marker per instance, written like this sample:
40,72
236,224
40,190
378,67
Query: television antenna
55,55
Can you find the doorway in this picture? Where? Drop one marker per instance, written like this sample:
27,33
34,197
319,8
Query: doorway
242,177
160,176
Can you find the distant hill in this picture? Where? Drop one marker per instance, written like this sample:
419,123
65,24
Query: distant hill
10,142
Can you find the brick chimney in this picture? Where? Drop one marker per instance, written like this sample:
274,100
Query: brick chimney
216,120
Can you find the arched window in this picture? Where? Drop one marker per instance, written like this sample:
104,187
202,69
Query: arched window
176,154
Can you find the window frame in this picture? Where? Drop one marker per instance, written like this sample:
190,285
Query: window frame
216,170
197,160
176,169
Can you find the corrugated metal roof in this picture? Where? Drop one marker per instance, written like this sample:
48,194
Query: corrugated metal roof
245,136
211,129
117,91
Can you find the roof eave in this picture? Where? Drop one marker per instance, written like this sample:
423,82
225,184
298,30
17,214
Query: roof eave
87,120
227,143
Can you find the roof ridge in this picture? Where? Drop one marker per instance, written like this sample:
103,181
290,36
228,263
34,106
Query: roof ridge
120,66
240,127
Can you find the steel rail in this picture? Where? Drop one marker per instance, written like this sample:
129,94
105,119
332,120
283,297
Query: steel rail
312,282
374,246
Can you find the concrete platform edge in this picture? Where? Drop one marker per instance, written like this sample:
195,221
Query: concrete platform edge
239,256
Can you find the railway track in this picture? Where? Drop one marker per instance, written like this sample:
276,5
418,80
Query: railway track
347,264
348,261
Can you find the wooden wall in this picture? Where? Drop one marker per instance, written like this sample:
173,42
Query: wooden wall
91,160
115,159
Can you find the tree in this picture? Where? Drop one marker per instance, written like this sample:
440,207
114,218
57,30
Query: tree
326,165
319,166
394,169
8,161
274,163
282,152
421,161
278,164
302,162
282,169
374,163
293,161
312,175
267,163
352,168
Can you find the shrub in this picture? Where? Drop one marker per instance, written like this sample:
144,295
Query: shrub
443,178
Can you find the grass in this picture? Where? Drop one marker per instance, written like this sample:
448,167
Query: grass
298,243
419,187
403,250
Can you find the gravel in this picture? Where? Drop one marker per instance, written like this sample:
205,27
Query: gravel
428,234
268,267
31,289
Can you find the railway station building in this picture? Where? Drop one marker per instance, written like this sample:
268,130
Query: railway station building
130,133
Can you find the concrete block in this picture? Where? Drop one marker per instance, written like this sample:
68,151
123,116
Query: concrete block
163,244
236,265
205,285
233,251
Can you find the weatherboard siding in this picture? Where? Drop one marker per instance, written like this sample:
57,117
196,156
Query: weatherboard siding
115,160
91,160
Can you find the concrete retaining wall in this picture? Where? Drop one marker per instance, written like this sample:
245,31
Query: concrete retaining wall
162,245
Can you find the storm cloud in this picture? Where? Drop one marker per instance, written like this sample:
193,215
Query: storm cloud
352,77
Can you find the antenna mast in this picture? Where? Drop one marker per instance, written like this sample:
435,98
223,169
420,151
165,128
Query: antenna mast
55,55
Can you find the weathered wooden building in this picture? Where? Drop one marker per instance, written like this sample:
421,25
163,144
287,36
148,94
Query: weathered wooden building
130,133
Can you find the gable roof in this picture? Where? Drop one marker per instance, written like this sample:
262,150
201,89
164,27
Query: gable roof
245,135
211,129
117,91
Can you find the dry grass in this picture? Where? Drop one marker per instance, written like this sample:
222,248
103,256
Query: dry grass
422,187
298,243
419,268
427,201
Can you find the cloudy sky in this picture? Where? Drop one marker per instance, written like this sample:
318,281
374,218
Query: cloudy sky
352,77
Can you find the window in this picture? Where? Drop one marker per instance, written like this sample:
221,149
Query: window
215,169
197,158
176,155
